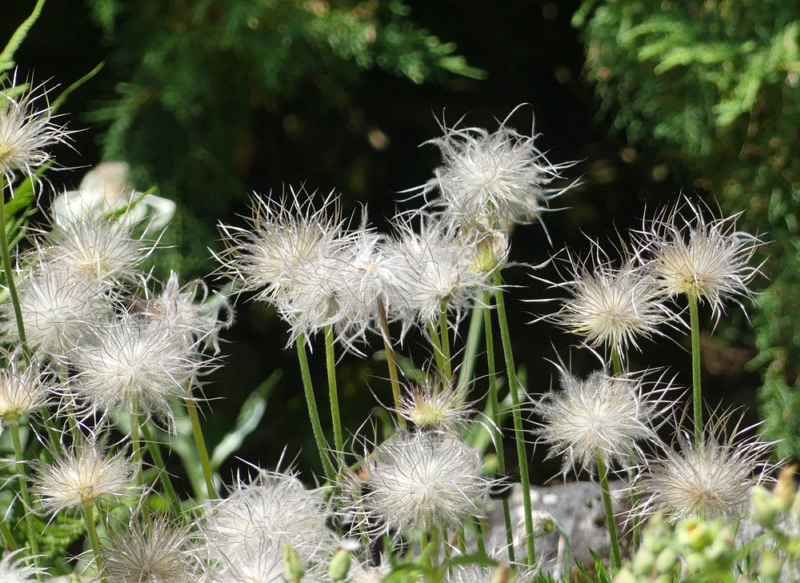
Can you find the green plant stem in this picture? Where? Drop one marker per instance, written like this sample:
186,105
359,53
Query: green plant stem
88,516
519,436
444,337
390,361
602,472
313,413
616,359
438,353
467,371
479,537
26,497
461,539
498,435
200,442
155,451
333,393
697,397
12,286
138,457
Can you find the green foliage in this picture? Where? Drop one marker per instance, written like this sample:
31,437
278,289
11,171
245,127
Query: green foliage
192,75
714,85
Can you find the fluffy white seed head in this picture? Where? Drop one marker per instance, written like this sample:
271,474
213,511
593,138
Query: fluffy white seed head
611,307
430,406
283,237
259,516
13,569
84,474
708,260
27,130
57,308
602,416
423,480
492,178
21,391
707,479
134,365
156,552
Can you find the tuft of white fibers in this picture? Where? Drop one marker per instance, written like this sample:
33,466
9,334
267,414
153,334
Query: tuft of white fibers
189,309
437,270
492,178
22,391
244,533
155,552
707,479
283,237
25,131
83,474
423,480
430,406
708,260
96,248
611,306
603,416
57,308
134,365
14,570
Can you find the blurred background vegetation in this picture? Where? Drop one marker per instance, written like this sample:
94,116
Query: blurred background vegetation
212,100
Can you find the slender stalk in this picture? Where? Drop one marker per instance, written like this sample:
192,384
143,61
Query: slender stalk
138,457
88,516
438,353
200,441
444,336
602,472
467,371
479,536
26,496
313,413
498,436
9,270
390,361
461,539
333,394
516,413
155,451
616,360
697,397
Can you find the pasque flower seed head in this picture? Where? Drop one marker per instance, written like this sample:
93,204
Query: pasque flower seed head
423,480
14,570
602,416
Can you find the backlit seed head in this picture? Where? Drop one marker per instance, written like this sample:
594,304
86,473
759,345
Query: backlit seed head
422,480
156,552
84,474
603,416
707,260
25,131
707,479
21,391
13,569
492,178
611,307
430,406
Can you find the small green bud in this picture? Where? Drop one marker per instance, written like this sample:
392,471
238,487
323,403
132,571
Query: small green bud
695,533
340,565
666,560
764,506
769,565
291,564
624,576
643,561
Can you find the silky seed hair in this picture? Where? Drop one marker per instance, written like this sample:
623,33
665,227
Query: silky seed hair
13,569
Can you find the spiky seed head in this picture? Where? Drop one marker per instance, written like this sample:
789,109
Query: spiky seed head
422,480
21,391
25,131
430,406
707,479
609,306
14,570
84,474
708,260
602,416
283,236
492,178
134,365
57,308
260,515
156,552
